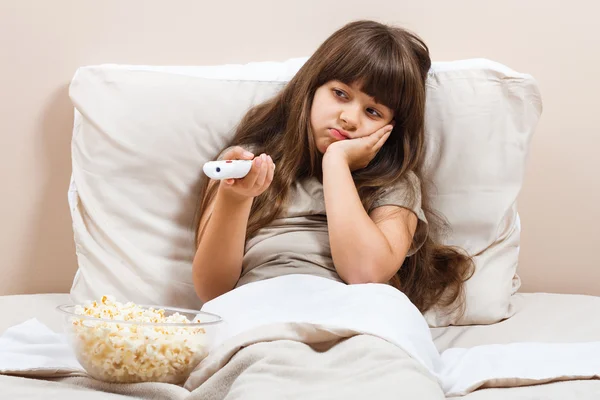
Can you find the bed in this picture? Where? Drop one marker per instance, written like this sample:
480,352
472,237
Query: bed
539,317
134,239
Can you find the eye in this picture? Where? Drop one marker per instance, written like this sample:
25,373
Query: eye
340,93
373,112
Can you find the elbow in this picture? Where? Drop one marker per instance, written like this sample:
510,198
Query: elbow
204,297
203,294
209,287
204,290
365,273
357,280
206,293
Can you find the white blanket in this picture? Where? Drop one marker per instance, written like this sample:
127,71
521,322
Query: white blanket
382,311
307,309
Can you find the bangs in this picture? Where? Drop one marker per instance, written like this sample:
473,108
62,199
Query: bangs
375,68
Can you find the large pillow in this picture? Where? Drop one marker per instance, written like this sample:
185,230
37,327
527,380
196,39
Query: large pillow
142,134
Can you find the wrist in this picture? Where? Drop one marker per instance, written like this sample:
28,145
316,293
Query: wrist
334,157
232,198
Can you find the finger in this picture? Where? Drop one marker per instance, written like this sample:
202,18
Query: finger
250,179
378,135
270,173
387,129
373,138
238,153
264,167
384,130
381,141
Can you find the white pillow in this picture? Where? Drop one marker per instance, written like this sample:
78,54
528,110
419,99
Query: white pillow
142,134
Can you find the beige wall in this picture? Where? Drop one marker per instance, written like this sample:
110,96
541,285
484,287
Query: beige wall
43,42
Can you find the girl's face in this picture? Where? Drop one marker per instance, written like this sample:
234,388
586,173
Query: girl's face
341,112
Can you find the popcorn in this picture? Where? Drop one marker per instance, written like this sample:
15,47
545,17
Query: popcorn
122,350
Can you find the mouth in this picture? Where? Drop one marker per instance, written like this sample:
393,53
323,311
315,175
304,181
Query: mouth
340,135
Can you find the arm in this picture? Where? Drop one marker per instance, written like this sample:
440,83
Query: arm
217,264
362,250
218,261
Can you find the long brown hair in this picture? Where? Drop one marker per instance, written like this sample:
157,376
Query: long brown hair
391,64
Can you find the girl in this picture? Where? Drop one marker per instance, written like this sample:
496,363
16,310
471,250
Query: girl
346,200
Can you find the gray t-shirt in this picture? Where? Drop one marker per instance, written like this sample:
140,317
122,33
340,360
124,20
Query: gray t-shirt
298,242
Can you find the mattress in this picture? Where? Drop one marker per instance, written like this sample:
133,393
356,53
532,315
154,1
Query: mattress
539,317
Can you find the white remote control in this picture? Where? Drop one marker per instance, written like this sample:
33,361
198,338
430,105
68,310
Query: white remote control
227,169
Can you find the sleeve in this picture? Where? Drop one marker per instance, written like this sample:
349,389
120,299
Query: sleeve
406,193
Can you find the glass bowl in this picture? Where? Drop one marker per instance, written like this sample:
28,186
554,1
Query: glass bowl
133,351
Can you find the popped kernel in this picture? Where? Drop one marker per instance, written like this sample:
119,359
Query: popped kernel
127,352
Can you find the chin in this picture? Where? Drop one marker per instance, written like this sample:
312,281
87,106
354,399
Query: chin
321,146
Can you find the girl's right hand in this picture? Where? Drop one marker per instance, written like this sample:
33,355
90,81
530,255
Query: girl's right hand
258,179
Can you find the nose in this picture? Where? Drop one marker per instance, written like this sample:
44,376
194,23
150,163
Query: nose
349,117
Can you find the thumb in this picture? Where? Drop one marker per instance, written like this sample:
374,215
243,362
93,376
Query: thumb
244,154
239,153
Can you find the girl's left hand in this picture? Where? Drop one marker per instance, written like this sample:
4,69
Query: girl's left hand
359,152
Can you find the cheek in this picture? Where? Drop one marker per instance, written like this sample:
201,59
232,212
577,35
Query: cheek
314,109
369,126
319,118
324,108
